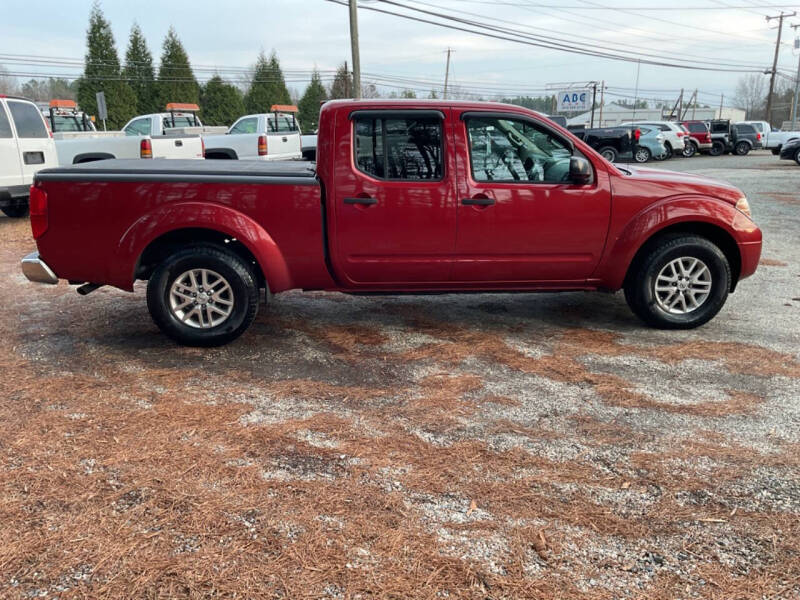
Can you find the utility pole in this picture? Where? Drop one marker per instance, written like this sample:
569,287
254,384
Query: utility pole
774,71
694,105
446,74
594,96
721,99
796,80
602,88
354,48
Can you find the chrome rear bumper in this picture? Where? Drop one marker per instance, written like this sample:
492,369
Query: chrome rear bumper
35,269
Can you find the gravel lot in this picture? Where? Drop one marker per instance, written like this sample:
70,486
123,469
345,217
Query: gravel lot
485,446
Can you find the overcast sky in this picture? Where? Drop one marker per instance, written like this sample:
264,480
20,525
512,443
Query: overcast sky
308,33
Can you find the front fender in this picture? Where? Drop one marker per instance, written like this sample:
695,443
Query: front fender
658,216
200,215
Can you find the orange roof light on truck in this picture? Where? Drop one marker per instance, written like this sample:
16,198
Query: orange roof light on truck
283,108
184,106
56,103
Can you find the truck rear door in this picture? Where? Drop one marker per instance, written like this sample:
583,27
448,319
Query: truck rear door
36,148
393,199
10,159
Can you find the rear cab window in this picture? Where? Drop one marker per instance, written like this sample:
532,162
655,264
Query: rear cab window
28,120
245,125
698,128
139,127
398,147
5,124
281,123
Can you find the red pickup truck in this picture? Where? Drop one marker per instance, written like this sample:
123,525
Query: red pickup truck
407,196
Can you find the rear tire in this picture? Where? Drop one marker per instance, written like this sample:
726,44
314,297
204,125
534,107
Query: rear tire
609,153
669,152
742,148
776,151
681,282
797,156
717,148
642,154
194,315
16,211
689,150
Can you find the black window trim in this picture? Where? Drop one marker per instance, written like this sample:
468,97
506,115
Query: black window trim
479,114
383,115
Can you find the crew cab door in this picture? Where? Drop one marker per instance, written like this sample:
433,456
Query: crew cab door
393,198
37,149
10,160
520,219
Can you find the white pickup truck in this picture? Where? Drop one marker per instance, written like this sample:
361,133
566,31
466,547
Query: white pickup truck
172,134
64,115
266,136
772,139
25,147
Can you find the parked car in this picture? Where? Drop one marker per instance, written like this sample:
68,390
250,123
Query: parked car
650,144
171,134
308,146
791,151
773,139
699,135
675,138
64,115
611,142
25,147
737,138
267,136
422,196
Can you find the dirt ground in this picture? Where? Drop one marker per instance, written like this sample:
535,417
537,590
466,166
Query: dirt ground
485,446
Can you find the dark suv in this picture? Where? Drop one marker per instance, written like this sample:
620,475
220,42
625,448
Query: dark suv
738,139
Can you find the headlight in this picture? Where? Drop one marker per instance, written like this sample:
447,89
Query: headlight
743,206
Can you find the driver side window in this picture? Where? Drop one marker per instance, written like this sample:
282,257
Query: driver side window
515,151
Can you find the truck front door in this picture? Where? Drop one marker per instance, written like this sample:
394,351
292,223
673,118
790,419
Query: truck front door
394,202
520,219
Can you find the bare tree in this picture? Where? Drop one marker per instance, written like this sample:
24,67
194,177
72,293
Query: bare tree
749,94
8,83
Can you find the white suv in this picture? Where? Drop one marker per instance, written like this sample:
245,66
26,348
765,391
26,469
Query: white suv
26,146
675,136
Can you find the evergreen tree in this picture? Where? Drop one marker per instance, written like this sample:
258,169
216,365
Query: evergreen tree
342,86
102,73
139,72
310,103
222,102
176,82
267,86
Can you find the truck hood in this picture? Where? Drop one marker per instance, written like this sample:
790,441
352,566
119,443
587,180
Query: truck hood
676,183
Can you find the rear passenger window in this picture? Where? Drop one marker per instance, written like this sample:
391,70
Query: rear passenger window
28,120
399,148
5,126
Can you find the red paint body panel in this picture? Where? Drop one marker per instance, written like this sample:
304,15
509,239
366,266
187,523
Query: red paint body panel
418,236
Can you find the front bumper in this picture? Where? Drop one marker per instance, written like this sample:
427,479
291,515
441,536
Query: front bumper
36,270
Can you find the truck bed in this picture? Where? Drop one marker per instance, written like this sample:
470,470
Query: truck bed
184,170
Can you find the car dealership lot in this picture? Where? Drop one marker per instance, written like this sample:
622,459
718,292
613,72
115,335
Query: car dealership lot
502,446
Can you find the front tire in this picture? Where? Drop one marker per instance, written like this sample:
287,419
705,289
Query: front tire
742,148
203,296
681,282
717,148
669,152
776,150
797,156
609,153
16,211
689,150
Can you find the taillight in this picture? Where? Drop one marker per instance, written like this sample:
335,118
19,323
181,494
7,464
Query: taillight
38,208
637,133
202,147
758,137
145,149
262,145
680,133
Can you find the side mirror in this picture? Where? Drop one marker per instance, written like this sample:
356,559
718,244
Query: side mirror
580,171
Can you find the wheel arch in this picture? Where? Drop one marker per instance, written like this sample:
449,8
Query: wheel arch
173,226
221,154
716,234
91,157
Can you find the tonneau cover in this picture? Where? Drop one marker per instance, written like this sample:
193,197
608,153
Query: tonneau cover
183,170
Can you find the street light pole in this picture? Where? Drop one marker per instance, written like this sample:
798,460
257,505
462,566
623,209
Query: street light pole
796,83
354,48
